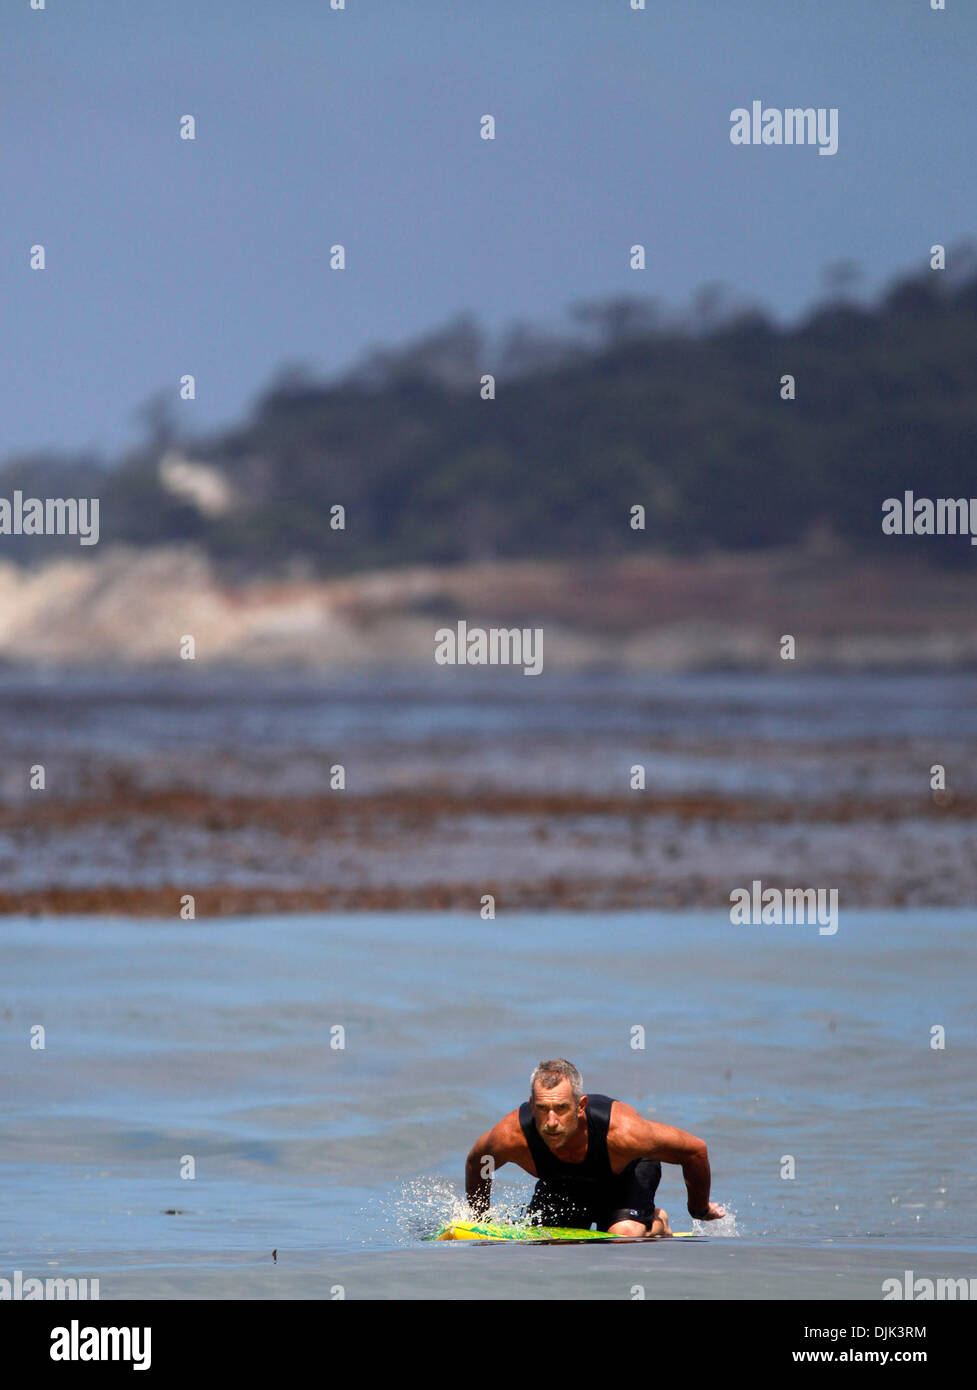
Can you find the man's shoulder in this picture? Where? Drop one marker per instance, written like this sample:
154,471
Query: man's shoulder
510,1127
624,1122
509,1141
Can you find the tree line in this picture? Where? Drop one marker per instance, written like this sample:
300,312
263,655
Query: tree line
685,416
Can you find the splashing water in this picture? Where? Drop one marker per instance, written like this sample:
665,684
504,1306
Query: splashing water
423,1206
725,1227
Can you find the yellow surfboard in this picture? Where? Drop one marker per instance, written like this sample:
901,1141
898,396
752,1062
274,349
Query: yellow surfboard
548,1235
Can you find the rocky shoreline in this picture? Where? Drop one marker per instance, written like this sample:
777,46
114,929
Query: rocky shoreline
247,855
276,793
129,608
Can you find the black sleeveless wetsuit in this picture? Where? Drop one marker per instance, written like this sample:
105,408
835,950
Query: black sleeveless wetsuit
576,1194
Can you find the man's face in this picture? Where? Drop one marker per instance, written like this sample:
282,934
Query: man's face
557,1114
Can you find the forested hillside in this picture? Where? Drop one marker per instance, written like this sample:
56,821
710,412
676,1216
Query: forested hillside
685,418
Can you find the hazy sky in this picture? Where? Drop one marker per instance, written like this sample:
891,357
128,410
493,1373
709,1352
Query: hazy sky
361,126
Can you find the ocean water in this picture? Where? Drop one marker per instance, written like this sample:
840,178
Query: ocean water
218,1042
703,730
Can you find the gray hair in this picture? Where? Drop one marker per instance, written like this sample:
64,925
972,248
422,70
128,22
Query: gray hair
552,1073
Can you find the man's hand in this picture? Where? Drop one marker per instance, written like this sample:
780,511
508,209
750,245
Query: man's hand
713,1212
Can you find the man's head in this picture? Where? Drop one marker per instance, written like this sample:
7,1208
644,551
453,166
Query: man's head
559,1104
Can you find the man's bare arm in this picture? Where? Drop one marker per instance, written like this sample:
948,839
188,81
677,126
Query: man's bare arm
634,1137
505,1143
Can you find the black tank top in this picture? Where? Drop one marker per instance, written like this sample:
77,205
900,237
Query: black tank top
595,1166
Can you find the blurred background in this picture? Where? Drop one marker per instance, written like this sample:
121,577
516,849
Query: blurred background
360,389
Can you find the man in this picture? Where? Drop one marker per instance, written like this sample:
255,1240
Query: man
596,1159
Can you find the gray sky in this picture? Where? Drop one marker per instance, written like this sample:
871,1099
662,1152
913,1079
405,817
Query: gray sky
362,127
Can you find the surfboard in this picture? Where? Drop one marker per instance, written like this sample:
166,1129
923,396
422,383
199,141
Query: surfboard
537,1235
